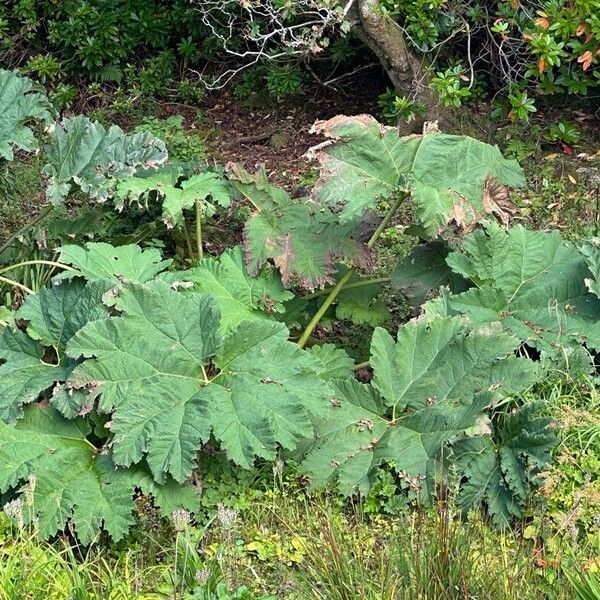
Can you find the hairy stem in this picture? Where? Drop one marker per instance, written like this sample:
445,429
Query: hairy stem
26,263
388,217
13,283
362,365
339,286
188,240
47,210
199,229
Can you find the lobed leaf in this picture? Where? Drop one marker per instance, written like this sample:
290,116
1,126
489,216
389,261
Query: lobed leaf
302,239
238,295
83,152
530,281
450,178
21,103
169,381
36,362
176,194
430,389
104,261
500,473
69,481
442,360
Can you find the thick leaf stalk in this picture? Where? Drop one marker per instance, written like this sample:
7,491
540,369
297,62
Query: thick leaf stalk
335,291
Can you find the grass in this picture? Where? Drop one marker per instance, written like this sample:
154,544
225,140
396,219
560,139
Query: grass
290,546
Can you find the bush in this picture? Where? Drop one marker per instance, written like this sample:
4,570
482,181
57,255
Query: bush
548,47
100,38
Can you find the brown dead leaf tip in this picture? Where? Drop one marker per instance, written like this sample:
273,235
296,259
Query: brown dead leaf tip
463,214
237,173
328,127
496,200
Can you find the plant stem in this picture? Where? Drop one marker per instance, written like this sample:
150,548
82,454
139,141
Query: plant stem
47,210
362,365
339,286
36,262
350,286
16,284
388,217
188,241
199,229
323,308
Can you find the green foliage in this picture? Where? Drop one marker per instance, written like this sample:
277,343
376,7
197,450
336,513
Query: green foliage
500,473
552,50
252,391
521,106
451,85
164,405
563,131
43,68
360,305
20,104
140,373
283,80
395,108
63,95
445,175
181,145
530,281
239,296
69,480
98,261
100,38
430,389
302,243
27,371
176,192
85,153
424,271
586,585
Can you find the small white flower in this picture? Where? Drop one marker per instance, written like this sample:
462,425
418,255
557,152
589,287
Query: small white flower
181,519
202,577
14,510
227,517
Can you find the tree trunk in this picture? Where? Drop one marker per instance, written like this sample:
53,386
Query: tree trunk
386,40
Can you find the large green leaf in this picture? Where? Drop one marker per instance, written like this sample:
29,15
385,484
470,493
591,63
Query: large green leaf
83,152
238,295
302,239
170,381
103,261
450,178
176,195
500,473
429,389
356,437
530,281
441,360
21,103
36,362
68,480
